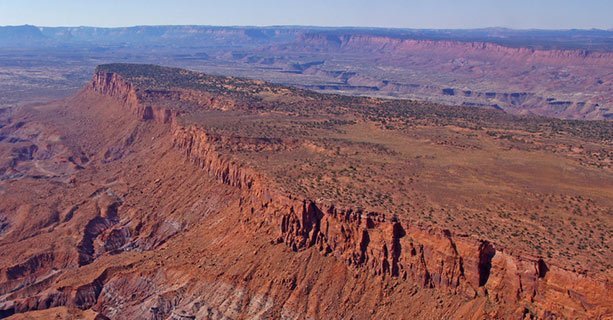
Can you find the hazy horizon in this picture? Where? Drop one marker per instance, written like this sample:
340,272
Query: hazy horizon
397,14
300,26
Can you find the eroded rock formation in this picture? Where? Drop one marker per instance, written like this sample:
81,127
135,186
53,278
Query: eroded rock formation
368,249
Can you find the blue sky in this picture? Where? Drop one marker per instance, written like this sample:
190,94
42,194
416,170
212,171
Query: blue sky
523,14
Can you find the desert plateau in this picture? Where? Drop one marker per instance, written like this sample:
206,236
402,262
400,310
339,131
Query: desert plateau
153,166
160,193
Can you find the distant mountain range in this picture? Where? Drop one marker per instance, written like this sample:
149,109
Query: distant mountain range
28,35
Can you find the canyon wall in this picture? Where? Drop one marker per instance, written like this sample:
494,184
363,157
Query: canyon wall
484,50
387,247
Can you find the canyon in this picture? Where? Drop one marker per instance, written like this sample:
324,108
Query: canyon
556,73
165,193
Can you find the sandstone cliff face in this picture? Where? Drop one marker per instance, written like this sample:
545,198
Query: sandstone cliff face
111,84
381,44
142,102
199,148
432,258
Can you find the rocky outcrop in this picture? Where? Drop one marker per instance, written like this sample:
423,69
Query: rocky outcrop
113,85
200,148
93,229
32,265
144,103
431,258
83,297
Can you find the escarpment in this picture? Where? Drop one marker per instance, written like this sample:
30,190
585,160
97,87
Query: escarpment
432,258
225,221
390,247
199,148
391,45
197,145
114,86
144,103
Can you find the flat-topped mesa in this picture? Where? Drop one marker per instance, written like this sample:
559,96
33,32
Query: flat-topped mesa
113,85
366,242
392,45
163,94
160,93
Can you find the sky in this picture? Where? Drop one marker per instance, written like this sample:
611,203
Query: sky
439,14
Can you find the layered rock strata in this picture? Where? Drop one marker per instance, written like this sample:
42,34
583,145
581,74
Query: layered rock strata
382,244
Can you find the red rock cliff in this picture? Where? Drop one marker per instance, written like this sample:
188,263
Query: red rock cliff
395,46
517,285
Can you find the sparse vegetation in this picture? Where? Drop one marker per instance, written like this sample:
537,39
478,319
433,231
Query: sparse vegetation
477,171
